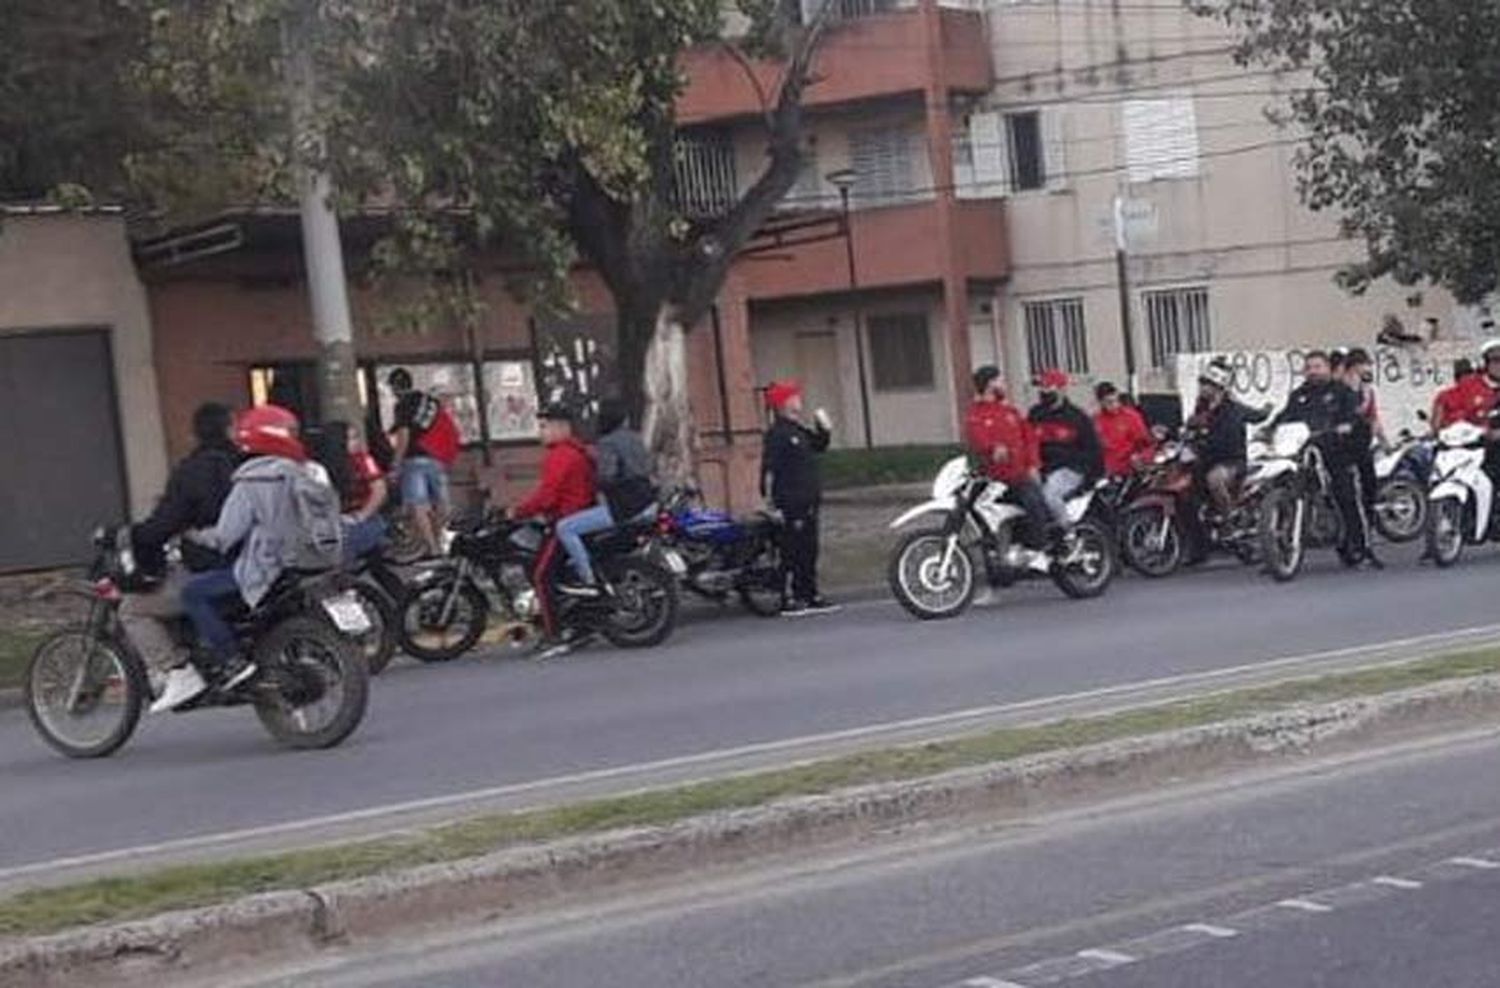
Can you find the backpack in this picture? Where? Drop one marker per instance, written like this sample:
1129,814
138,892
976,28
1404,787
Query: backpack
312,534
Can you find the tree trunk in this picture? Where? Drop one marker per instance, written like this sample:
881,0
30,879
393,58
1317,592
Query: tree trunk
668,421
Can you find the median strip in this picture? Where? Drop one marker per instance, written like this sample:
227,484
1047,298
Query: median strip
876,787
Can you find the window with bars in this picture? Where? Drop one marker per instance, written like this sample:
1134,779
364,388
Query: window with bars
882,161
1056,336
707,185
1177,322
900,351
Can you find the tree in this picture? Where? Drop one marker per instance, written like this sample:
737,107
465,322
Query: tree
1398,101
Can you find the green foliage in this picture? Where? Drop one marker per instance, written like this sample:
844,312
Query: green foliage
1398,100
845,468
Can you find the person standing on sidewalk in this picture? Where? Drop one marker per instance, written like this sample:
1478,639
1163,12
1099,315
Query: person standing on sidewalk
790,477
425,443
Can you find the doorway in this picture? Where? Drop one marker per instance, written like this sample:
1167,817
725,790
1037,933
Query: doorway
818,369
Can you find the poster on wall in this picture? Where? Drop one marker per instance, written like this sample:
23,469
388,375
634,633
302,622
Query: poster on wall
578,360
1406,379
510,387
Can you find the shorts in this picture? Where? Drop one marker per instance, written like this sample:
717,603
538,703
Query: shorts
424,482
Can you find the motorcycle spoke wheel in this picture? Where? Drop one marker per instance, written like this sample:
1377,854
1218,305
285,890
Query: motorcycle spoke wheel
929,580
83,694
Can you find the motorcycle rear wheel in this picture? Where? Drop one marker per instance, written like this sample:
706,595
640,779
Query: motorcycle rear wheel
762,583
75,674
1400,509
645,611
315,684
1093,566
1445,531
1139,532
919,585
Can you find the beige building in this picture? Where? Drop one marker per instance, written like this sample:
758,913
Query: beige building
83,440
1096,102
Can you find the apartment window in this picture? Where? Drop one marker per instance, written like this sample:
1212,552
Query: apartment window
1177,322
1056,336
1028,164
882,160
900,351
845,9
1161,138
707,185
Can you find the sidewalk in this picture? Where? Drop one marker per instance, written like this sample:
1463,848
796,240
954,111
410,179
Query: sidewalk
857,537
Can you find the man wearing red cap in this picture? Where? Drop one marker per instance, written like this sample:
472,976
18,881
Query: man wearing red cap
1071,454
790,477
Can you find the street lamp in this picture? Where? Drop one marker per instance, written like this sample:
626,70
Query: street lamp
843,180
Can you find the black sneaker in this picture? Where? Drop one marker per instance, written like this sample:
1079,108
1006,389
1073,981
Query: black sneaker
794,608
234,673
822,605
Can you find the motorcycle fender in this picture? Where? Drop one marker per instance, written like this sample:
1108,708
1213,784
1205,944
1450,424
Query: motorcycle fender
1449,489
1165,502
935,507
1272,469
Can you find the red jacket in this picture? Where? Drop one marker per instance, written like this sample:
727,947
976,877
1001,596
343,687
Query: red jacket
993,424
1125,436
567,484
1470,400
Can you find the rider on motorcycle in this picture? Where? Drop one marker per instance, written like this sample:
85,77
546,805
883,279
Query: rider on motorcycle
1002,439
1475,399
623,471
1123,432
1217,432
1071,455
1331,409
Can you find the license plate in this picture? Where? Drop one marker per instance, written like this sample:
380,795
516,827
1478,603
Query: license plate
674,561
347,613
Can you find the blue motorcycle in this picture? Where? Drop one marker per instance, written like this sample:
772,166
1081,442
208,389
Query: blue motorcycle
726,555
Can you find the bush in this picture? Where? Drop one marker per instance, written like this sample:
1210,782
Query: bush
844,468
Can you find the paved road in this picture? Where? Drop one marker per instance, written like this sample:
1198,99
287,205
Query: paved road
1376,869
719,684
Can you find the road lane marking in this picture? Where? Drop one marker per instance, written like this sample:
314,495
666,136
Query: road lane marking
1436,640
1305,905
1210,930
1110,958
983,982
1481,864
1390,881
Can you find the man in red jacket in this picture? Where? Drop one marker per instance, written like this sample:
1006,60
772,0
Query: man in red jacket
1122,430
1002,439
566,487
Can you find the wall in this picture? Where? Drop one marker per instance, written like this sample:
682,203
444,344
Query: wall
896,417
1236,227
71,271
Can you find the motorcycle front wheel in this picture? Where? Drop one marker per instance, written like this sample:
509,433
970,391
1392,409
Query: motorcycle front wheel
1086,563
84,693
1282,538
1445,531
313,685
645,604
440,621
1151,542
1400,509
932,575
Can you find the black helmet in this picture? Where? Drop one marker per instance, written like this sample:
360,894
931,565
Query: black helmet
612,415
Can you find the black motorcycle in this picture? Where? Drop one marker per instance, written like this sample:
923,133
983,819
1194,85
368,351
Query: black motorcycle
447,608
86,686
380,589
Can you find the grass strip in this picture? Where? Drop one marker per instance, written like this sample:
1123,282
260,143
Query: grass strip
187,886
16,647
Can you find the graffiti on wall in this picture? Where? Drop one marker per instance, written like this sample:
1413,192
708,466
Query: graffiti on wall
577,360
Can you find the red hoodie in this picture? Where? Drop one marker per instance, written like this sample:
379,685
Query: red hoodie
1124,435
567,484
1470,400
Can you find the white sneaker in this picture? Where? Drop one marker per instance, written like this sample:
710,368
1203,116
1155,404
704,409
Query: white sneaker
183,684
1038,561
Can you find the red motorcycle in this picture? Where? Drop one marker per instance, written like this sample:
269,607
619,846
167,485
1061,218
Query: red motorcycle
1153,538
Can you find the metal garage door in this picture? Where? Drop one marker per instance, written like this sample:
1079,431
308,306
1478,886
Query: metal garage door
61,469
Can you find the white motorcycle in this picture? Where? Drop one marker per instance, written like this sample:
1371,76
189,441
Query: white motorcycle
1401,478
934,570
1296,510
1461,497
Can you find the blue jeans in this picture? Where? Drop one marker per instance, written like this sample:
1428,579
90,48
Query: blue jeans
201,598
1057,488
571,531
424,482
363,538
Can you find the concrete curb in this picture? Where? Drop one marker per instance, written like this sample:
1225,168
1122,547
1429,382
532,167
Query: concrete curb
297,923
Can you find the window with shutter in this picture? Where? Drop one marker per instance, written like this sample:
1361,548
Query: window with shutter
1161,138
900,351
882,161
988,154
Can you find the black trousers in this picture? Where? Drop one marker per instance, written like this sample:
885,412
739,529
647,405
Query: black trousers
799,550
1343,477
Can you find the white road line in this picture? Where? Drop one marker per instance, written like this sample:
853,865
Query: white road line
1305,905
1209,930
205,841
983,982
1111,958
1391,881
1482,864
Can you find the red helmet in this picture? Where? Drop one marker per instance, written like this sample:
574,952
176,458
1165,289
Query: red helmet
269,430
1052,379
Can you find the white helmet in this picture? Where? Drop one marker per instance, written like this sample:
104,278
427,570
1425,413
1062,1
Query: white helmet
1216,373
1491,345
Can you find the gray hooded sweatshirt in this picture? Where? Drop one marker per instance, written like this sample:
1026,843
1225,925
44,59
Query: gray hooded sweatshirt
253,514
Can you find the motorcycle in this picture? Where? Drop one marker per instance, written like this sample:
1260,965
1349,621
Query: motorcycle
933,570
379,589
1462,497
1296,510
724,554
1401,481
1152,539
86,686
446,609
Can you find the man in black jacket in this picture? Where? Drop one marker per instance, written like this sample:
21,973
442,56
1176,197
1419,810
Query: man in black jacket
1072,457
1331,409
791,479
195,492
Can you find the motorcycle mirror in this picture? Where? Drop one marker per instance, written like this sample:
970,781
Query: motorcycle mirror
1422,415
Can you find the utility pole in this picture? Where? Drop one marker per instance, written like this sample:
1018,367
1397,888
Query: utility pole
1122,276
322,248
843,180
